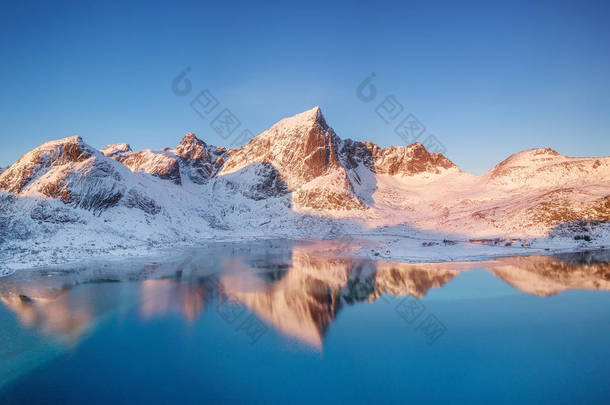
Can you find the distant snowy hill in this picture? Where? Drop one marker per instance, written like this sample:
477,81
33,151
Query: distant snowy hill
296,179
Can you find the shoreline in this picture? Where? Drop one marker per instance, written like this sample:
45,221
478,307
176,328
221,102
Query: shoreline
368,247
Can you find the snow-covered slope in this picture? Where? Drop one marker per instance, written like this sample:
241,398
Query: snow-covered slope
296,179
547,169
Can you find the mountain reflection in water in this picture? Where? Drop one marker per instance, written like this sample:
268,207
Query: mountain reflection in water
290,286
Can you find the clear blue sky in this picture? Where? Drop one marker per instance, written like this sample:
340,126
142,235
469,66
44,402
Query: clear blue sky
486,79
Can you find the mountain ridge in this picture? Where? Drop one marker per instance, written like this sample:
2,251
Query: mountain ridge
296,179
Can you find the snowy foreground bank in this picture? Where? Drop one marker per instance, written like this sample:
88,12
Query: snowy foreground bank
413,248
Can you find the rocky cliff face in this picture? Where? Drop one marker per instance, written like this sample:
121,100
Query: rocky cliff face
395,160
303,149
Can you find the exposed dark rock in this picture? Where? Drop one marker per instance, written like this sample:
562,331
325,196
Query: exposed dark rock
135,199
56,215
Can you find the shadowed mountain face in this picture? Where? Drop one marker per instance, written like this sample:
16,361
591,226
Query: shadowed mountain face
288,286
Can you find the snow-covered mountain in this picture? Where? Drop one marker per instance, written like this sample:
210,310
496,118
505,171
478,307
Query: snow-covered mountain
78,175
192,158
296,179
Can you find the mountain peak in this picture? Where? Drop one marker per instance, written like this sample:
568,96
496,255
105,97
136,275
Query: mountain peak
190,138
70,140
116,149
38,162
71,148
416,146
313,113
537,152
306,119
530,157
303,149
191,147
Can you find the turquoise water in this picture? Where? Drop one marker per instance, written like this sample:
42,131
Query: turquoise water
281,323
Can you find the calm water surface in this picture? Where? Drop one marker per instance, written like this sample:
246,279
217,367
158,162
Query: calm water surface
286,322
